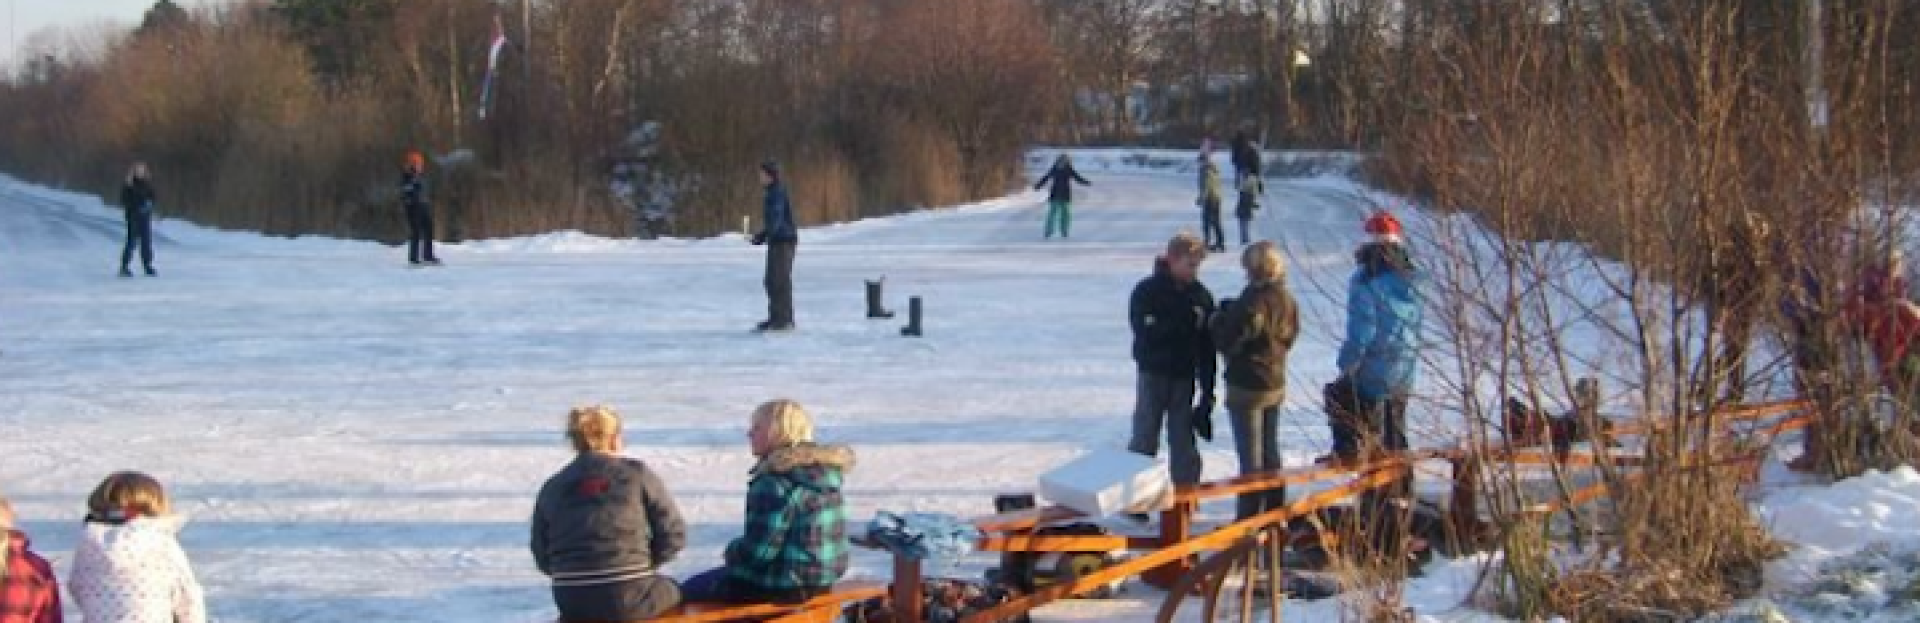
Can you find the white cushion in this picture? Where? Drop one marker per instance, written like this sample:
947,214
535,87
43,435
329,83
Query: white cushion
1105,482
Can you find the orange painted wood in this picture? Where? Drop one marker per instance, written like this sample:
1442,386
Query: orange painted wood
1216,540
829,604
1026,519
1055,543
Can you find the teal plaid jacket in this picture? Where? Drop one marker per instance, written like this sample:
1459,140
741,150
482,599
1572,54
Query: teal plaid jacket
796,532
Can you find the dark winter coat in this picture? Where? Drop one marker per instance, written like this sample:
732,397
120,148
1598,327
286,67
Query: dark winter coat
1250,189
137,197
1383,323
777,215
795,543
413,191
604,519
1169,320
1062,176
1255,333
1246,157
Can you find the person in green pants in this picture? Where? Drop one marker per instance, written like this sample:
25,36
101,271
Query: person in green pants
1060,198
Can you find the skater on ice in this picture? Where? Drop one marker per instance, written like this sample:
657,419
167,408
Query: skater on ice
1251,187
136,198
782,239
413,197
1062,176
1209,202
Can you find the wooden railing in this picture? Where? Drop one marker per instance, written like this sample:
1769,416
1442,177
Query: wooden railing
1172,559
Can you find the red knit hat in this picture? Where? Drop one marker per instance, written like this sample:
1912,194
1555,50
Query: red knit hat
1382,225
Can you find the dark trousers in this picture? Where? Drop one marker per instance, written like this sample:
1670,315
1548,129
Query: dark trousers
1374,425
420,234
779,282
1210,224
714,585
1358,422
633,600
1255,416
139,233
1166,403
1243,230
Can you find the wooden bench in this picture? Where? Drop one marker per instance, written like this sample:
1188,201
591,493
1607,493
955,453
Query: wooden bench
823,609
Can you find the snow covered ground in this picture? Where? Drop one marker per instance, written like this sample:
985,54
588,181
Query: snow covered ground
359,441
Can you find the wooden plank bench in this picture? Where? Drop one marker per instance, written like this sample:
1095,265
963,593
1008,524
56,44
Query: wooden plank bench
822,609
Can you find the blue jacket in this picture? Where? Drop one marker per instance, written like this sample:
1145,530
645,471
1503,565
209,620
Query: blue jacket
777,213
1383,324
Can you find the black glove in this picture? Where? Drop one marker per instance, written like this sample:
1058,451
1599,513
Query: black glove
759,238
1203,417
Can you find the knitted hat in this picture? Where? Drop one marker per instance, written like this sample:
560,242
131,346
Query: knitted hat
771,168
1383,226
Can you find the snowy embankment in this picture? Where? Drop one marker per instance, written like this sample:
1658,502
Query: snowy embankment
358,441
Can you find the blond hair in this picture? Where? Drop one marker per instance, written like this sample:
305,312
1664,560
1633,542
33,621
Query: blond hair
785,421
1185,244
1263,262
127,495
593,429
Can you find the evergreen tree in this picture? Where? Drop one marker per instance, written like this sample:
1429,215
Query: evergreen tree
165,15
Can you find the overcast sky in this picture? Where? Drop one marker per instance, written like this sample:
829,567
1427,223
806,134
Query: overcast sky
26,17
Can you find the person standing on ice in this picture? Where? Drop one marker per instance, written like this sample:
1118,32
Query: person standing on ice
1173,353
1254,333
1251,187
413,197
603,526
1060,197
128,566
136,198
29,592
1367,404
795,545
1209,203
782,238
1246,158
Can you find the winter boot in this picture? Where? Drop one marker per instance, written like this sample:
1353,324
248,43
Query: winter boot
874,308
913,328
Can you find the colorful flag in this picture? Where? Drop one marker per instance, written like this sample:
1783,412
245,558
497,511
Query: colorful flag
493,64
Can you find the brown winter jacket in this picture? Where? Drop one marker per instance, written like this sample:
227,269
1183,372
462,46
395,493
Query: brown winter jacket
1254,333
